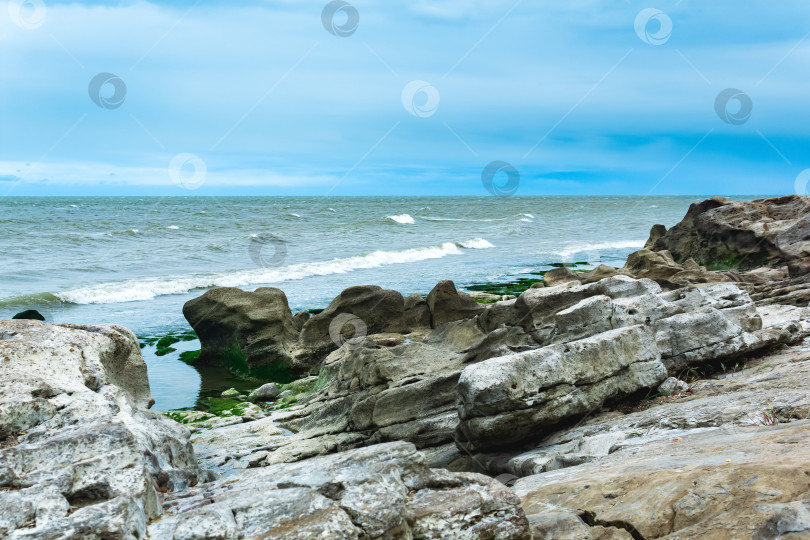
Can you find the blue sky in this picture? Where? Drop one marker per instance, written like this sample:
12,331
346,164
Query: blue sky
272,103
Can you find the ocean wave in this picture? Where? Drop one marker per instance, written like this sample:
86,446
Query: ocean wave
476,243
462,219
573,249
149,288
527,215
404,219
30,300
526,220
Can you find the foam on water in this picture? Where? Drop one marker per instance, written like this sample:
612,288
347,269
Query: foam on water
404,219
149,288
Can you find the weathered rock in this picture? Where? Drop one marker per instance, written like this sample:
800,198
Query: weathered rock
558,276
673,385
741,234
231,393
382,491
353,314
300,318
265,392
600,342
251,333
446,304
82,456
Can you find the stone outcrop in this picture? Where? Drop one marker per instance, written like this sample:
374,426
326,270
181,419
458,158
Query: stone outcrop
597,343
80,454
742,235
249,332
723,461
383,491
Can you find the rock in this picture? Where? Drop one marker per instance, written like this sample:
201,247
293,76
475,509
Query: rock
300,318
558,276
599,342
266,392
720,483
356,312
383,491
80,454
446,304
231,393
601,272
29,314
673,385
251,333
741,235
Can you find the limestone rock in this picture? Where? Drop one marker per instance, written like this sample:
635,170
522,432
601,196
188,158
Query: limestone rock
382,491
81,454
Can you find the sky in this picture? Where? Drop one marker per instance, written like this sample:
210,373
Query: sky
419,97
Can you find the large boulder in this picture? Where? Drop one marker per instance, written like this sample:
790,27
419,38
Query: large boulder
383,491
724,234
80,454
353,314
251,333
446,304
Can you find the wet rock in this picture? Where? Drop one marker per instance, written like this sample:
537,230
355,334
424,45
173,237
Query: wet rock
29,314
251,333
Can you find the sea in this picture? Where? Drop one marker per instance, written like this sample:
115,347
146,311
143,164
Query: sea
135,261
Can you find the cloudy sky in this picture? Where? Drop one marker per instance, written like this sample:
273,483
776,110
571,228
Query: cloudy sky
289,98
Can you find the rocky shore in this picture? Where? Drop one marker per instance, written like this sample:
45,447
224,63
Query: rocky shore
668,398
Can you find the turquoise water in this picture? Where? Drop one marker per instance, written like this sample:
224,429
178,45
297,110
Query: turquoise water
135,261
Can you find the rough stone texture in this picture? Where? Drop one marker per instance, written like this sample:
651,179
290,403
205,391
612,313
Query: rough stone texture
557,276
600,342
747,234
231,324
382,491
446,304
380,310
728,460
80,455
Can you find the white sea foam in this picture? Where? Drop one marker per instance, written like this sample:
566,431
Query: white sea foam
582,247
147,289
294,215
462,219
173,227
527,215
476,243
404,219
526,220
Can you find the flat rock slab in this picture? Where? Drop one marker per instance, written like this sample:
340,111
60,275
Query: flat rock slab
381,491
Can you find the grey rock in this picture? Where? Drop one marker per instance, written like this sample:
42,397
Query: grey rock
266,392
382,491
300,318
673,385
558,276
231,393
77,434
